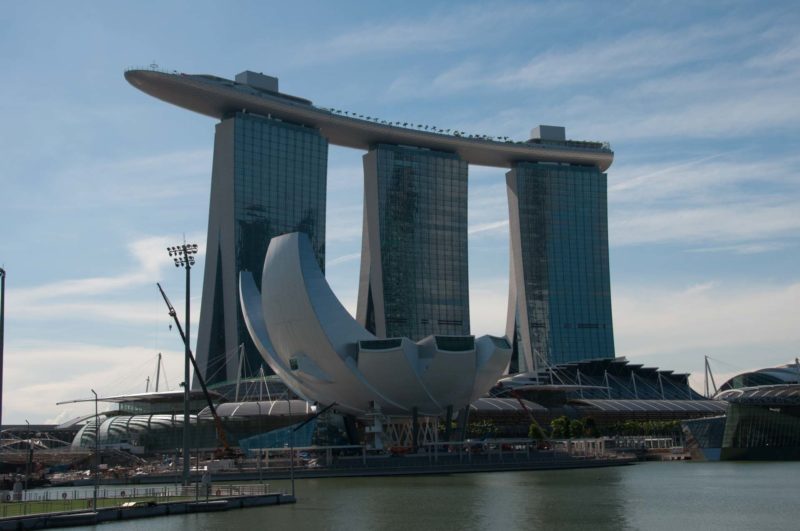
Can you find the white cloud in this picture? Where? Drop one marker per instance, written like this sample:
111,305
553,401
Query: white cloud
743,326
39,374
488,301
129,299
751,318
149,253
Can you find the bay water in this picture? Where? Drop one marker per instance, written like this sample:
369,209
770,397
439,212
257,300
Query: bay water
671,496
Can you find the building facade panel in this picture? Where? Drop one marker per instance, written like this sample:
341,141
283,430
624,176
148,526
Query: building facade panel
560,303
269,178
414,272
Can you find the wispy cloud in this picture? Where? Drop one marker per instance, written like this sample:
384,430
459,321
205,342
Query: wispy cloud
720,79
344,223
443,29
653,178
150,257
133,181
99,299
494,226
726,201
630,55
744,248
343,259
744,221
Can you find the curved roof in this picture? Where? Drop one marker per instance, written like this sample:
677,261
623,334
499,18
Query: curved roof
504,405
257,409
764,395
154,397
218,97
785,374
633,406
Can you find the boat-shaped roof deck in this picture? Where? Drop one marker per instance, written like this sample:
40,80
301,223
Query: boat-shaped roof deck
218,97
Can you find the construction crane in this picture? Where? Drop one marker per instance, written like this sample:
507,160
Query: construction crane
226,450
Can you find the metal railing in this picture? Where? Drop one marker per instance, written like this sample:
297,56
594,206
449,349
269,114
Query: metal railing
61,500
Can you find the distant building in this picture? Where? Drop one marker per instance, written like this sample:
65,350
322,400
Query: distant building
414,273
560,294
269,178
762,421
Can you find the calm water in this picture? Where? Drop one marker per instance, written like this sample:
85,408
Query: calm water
650,496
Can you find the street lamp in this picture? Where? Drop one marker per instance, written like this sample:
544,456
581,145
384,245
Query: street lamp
2,326
291,439
30,455
96,453
183,255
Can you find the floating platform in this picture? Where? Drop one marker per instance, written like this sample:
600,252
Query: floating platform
131,510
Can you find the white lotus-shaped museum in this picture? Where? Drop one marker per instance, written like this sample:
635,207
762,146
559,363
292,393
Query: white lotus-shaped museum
313,344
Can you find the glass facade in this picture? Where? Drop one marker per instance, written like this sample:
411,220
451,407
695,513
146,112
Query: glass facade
269,179
560,253
418,200
752,427
149,432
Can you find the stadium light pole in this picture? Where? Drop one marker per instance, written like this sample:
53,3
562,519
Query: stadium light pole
2,335
183,256
96,453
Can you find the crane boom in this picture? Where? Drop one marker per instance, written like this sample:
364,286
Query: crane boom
217,421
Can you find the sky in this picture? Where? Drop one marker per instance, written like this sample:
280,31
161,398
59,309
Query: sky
699,101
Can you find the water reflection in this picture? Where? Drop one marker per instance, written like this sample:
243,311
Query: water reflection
648,496
578,499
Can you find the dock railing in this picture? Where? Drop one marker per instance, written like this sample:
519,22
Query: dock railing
61,500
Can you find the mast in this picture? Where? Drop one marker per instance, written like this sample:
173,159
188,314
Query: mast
239,372
158,370
709,376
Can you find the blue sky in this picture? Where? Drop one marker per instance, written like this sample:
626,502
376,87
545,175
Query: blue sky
699,101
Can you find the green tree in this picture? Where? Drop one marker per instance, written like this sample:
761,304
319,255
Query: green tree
576,428
560,427
535,432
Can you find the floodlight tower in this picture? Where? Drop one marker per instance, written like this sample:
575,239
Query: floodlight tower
183,255
2,326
